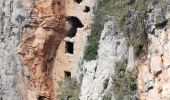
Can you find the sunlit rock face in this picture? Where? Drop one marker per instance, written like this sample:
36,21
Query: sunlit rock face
153,66
40,41
14,15
30,34
32,50
112,48
153,74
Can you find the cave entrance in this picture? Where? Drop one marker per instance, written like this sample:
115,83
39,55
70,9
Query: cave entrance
86,9
78,1
69,47
67,74
41,98
73,24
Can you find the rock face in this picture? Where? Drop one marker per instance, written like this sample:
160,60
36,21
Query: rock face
38,27
153,74
153,67
32,35
112,48
11,69
40,41
33,59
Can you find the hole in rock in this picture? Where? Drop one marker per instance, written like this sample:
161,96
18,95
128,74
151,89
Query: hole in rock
161,24
87,9
58,2
69,47
105,84
67,74
41,98
78,1
73,24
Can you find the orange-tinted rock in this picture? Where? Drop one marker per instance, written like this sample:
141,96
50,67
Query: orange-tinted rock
39,45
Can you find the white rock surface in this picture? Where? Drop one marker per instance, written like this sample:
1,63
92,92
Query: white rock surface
11,25
112,48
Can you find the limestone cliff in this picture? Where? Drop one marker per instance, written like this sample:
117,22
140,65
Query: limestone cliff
153,77
152,63
43,42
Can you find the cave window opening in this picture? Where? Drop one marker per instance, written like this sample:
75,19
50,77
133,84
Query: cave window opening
78,1
73,24
67,74
69,47
58,2
87,9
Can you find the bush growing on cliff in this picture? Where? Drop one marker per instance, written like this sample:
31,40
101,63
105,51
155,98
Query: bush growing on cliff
101,15
68,89
129,15
130,18
124,82
107,98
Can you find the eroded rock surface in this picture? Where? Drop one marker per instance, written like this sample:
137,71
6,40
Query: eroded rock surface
112,48
154,71
14,15
40,41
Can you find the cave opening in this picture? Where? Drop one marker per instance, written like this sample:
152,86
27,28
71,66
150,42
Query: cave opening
58,2
69,47
41,98
78,1
87,9
73,24
67,74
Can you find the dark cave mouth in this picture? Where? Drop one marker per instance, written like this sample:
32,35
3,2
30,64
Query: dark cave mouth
41,98
78,1
67,74
86,9
73,23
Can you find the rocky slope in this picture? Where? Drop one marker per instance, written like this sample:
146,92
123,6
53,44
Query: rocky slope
153,65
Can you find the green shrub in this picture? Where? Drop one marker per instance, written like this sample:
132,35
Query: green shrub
124,82
68,89
107,98
122,11
101,14
168,21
